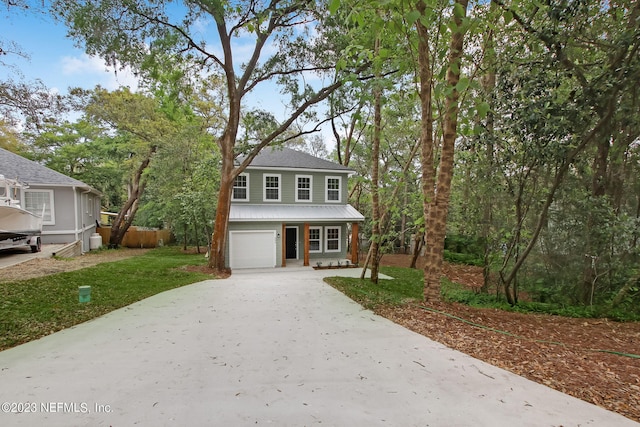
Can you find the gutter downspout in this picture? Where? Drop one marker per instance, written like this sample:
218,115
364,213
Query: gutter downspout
82,213
75,211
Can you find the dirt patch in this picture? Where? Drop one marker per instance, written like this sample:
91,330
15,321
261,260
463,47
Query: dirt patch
45,266
205,269
584,358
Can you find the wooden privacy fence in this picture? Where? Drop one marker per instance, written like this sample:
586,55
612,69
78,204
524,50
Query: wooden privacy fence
138,238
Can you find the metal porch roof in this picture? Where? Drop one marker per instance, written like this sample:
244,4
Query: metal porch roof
294,213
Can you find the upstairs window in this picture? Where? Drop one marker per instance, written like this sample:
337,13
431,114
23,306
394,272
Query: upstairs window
303,188
241,187
271,188
334,184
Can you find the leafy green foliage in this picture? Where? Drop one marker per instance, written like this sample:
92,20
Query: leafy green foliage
458,258
454,292
460,249
83,151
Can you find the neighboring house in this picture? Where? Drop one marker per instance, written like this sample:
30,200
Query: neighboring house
71,207
287,206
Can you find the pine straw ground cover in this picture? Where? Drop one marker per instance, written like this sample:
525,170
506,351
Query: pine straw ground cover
569,355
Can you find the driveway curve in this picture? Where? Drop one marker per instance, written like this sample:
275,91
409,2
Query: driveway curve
277,347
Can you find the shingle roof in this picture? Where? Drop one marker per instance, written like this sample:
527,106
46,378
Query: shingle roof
293,213
280,157
28,172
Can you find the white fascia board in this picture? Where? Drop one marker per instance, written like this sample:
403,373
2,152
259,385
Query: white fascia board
274,168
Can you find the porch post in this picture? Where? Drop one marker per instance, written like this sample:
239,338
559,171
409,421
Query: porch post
283,244
354,243
306,244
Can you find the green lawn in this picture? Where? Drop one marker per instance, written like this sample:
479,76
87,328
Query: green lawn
405,287
408,284
34,308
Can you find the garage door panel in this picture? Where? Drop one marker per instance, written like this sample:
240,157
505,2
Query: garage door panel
252,249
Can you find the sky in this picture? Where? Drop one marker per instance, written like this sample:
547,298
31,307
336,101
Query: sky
60,64
53,57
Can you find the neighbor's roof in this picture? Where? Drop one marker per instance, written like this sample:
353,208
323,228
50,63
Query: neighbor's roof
294,213
280,157
28,172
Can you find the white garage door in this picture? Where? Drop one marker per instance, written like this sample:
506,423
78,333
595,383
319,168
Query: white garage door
252,249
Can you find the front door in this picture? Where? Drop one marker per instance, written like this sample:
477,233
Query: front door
292,242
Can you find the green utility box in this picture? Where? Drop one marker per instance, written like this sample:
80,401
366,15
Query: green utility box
85,293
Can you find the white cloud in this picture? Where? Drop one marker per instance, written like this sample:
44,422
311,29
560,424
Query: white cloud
88,71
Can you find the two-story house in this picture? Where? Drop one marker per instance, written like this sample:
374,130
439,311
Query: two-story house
288,205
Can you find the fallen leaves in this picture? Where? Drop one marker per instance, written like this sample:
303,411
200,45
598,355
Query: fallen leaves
571,366
574,356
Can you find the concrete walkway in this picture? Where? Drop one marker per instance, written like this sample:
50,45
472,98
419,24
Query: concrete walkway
274,348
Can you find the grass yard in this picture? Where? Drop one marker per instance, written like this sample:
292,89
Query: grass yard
33,308
406,287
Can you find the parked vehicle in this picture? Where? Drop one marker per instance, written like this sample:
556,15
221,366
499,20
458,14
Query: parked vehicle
18,227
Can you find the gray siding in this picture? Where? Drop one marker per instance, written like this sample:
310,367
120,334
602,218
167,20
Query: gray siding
323,256
314,257
288,186
75,215
63,204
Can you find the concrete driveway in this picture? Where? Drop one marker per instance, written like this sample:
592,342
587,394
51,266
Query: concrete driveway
15,256
277,347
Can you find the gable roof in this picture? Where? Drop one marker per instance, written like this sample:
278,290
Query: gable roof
287,158
29,172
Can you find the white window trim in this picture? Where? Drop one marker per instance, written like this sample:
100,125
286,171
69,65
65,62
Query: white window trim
319,251
326,189
326,241
264,187
247,188
310,189
51,208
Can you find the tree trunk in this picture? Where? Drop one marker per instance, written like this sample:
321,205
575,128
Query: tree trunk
624,291
403,221
195,232
375,166
438,206
217,259
426,127
127,213
419,237
594,246
185,238
488,87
